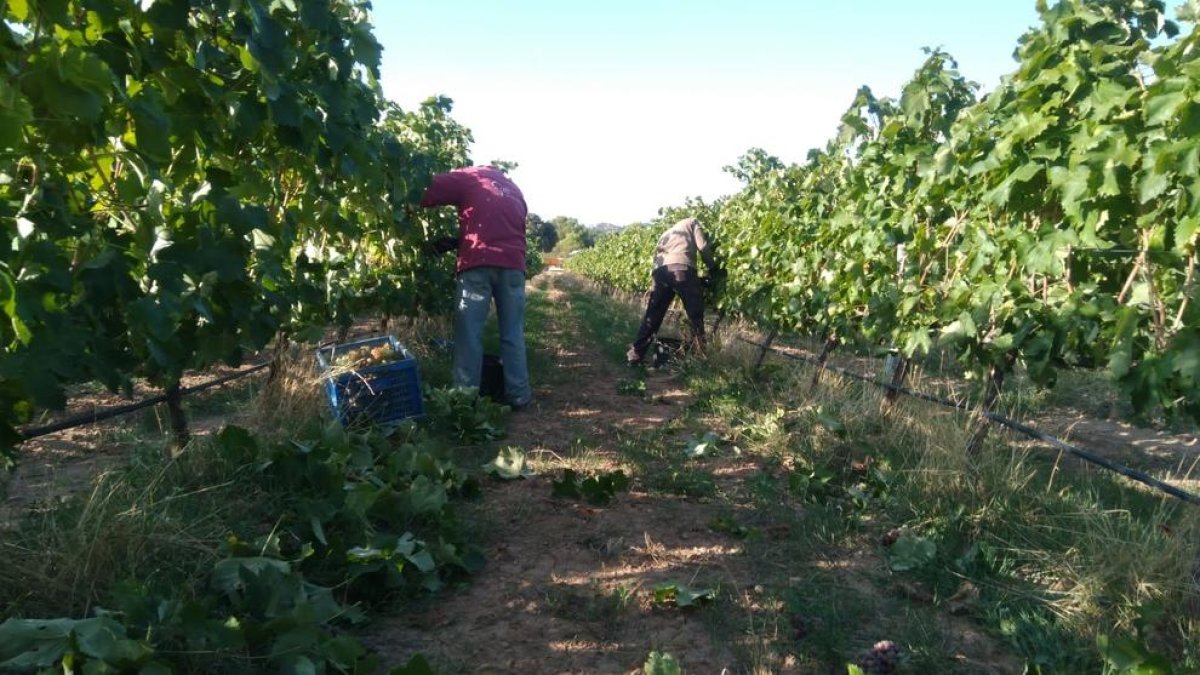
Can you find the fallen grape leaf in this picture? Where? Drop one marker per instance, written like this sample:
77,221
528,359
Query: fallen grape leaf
510,464
911,552
707,444
661,663
682,596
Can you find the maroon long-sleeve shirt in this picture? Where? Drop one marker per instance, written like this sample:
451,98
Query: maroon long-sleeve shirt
491,216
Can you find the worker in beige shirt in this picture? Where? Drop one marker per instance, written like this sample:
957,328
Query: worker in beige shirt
675,274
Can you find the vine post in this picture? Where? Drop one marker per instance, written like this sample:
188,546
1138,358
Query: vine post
991,395
766,347
179,427
278,354
717,324
822,359
895,370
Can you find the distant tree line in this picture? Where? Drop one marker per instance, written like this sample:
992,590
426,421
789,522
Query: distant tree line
562,234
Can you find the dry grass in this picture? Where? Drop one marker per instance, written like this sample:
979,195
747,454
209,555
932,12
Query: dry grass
154,523
292,398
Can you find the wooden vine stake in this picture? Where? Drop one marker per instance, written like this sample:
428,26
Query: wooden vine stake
717,324
766,347
895,370
179,427
278,353
822,359
995,384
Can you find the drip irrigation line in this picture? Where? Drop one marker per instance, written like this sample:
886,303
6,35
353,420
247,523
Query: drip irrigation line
1025,429
1095,459
117,411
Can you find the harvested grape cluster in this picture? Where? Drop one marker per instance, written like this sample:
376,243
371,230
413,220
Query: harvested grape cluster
364,357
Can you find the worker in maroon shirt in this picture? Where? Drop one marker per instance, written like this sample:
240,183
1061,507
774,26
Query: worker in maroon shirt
491,266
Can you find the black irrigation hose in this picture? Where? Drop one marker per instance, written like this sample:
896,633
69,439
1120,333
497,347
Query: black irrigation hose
1081,453
117,411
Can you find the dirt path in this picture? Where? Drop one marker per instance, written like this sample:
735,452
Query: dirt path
570,588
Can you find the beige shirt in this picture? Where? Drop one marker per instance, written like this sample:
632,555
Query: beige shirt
680,243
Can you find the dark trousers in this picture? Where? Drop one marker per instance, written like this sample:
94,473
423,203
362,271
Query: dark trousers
669,281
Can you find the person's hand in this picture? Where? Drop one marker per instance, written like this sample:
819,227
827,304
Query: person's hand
715,276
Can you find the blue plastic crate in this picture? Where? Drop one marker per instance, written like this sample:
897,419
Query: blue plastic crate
388,392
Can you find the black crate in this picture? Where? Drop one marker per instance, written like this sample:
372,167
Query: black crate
491,379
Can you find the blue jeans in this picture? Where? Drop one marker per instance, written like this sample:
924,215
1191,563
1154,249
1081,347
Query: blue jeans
476,289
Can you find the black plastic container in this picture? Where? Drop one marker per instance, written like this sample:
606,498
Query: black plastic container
666,349
491,380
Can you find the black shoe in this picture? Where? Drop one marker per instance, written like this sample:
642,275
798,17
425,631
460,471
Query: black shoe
632,358
518,407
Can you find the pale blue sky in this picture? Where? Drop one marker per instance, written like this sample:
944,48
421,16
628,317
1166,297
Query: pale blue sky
617,108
